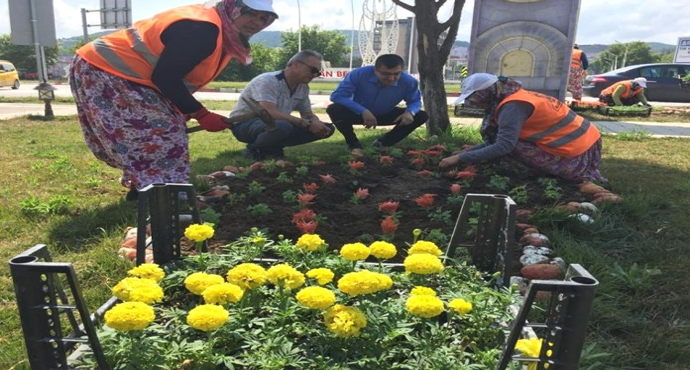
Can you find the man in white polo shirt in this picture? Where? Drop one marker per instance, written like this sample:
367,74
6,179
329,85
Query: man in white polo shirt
281,93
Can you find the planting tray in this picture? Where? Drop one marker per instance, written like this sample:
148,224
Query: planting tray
627,111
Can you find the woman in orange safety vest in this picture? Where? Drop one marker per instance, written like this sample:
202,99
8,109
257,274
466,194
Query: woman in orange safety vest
628,92
133,88
537,130
578,66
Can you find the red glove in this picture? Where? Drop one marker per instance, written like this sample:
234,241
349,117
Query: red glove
210,121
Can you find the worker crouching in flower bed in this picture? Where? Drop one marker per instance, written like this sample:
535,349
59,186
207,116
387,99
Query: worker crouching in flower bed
537,130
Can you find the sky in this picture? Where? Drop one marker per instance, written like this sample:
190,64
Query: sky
601,21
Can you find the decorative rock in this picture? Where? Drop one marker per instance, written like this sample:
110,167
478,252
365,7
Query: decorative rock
582,218
603,197
589,187
233,169
571,207
221,174
541,272
129,243
543,251
524,227
130,232
588,208
558,261
533,259
531,230
523,214
517,280
256,166
531,240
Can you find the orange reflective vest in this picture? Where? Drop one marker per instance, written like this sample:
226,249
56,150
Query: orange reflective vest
553,126
133,53
627,94
575,59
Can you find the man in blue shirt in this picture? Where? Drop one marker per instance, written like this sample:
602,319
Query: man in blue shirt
370,96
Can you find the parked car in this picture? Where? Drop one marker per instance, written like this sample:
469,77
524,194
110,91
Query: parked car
8,75
663,81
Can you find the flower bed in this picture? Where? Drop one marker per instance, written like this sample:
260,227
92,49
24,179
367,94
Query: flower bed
315,309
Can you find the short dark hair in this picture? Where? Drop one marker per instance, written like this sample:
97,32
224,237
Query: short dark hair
389,61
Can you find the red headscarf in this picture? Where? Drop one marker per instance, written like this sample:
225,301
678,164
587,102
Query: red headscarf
229,10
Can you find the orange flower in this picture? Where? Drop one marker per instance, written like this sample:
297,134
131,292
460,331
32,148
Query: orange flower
305,199
386,159
419,162
328,179
310,188
455,189
362,193
389,225
431,153
425,201
388,207
355,165
414,153
436,148
307,227
304,215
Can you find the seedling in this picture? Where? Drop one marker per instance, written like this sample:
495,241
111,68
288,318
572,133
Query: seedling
498,183
259,209
552,190
289,196
301,171
256,188
284,178
519,194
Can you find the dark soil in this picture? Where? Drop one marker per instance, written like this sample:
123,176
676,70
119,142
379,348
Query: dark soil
341,221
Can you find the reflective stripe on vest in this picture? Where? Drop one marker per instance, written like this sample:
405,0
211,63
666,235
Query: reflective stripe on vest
575,60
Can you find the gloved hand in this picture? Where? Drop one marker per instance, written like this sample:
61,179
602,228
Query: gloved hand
210,121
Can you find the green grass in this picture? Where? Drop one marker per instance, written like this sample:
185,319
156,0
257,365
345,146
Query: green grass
53,191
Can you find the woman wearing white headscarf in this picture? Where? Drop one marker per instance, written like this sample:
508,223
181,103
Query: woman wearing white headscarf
133,88
537,130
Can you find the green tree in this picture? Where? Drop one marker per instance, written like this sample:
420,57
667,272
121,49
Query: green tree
265,60
23,56
331,44
620,55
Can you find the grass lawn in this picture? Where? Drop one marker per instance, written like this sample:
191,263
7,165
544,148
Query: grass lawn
53,191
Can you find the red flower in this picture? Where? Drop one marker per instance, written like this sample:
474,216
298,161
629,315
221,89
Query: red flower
425,201
388,207
389,225
327,179
304,215
455,189
310,188
355,165
436,148
307,227
468,173
419,162
414,153
362,193
305,199
424,173
432,153
386,159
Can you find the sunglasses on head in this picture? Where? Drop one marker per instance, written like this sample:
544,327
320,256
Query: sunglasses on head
314,71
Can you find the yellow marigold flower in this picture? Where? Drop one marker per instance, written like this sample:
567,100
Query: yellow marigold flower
285,276
223,294
422,290
134,289
426,306
198,233
259,241
460,306
364,282
323,276
316,298
422,247
529,348
310,242
129,316
354,251
199,281
148,271
344,321
207,317
383,250
423,264
247,275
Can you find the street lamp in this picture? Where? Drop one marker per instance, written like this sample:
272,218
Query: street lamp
46,92
299,32
625,53
352,34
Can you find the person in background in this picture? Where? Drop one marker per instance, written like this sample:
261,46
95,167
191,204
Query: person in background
370,96
281,93
628,92
537,130
133,88
578,66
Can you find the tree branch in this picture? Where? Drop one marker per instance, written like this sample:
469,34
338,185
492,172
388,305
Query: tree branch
405,5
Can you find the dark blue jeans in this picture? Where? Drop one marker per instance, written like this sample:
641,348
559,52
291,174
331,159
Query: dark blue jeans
255,133
343,118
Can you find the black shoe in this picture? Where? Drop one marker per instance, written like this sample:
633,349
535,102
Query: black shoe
132,195
253,154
